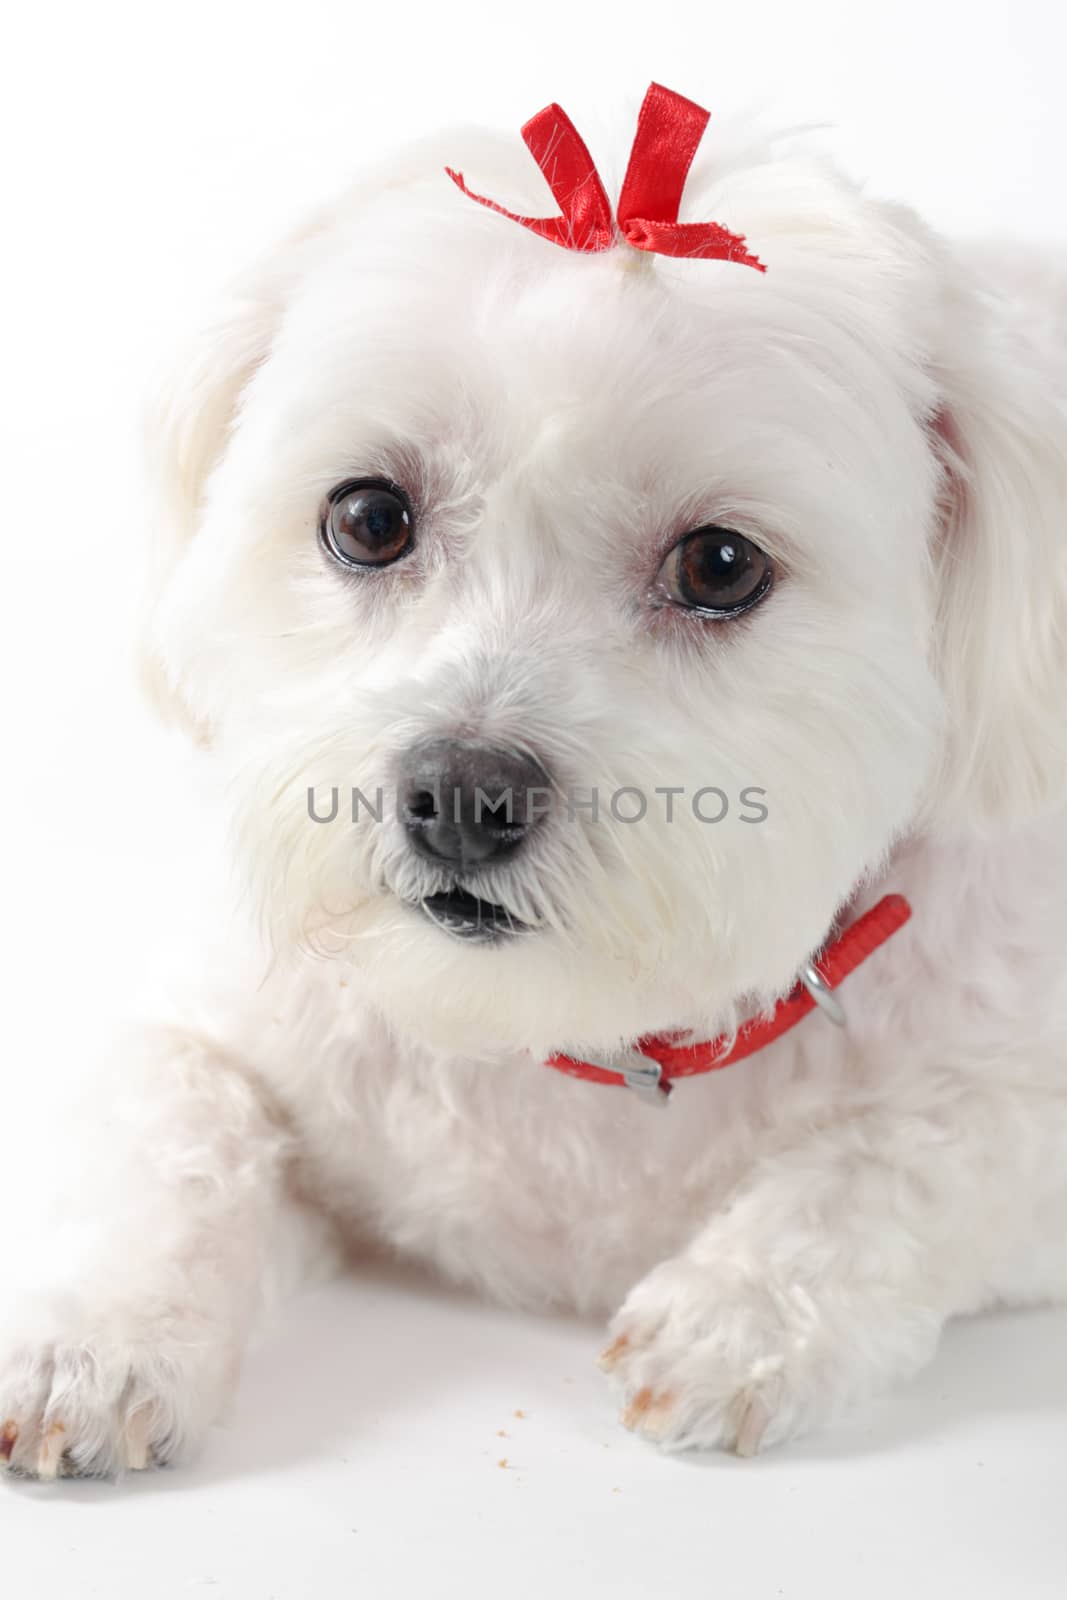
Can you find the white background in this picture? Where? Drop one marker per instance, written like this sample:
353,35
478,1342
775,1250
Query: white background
148,150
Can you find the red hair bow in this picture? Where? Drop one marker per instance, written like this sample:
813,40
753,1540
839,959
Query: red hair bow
669,129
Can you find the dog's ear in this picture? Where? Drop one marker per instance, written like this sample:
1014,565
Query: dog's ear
196,408
191,415
1001,568
187,427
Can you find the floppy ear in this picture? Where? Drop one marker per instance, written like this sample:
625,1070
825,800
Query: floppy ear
192,414
188,426
1001,562
196,409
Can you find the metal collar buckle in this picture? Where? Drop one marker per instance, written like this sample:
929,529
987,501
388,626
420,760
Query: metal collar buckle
639,1072
823,995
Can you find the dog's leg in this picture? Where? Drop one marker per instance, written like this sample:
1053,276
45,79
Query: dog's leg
125,1340
830,1274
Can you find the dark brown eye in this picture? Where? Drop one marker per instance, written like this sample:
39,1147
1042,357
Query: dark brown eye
367,523
716,571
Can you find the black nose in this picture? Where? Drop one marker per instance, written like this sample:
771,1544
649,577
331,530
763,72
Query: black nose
467,803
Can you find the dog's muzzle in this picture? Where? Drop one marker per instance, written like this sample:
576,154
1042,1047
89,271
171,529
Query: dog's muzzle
467,807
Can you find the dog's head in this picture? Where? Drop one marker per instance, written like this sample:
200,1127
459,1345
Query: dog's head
645,602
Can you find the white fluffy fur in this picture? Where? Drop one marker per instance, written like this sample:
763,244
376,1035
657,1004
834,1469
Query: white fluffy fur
885,414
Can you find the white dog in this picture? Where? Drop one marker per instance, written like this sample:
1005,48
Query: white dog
458,508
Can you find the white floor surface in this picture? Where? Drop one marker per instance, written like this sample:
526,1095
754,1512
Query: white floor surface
394,1439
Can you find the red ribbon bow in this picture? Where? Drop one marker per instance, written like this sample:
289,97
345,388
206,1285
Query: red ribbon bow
669,129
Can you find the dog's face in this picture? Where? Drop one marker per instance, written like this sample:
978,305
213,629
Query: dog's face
648,544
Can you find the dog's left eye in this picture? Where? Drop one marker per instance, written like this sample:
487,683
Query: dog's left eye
367,522
716,571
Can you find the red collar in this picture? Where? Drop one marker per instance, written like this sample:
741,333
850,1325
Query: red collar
654,1062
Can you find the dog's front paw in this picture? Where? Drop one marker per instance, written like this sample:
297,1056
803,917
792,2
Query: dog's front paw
97,1407
714,1355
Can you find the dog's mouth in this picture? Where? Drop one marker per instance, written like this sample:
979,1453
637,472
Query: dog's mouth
464,916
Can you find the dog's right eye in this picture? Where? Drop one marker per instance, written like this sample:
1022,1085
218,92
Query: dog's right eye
367,522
